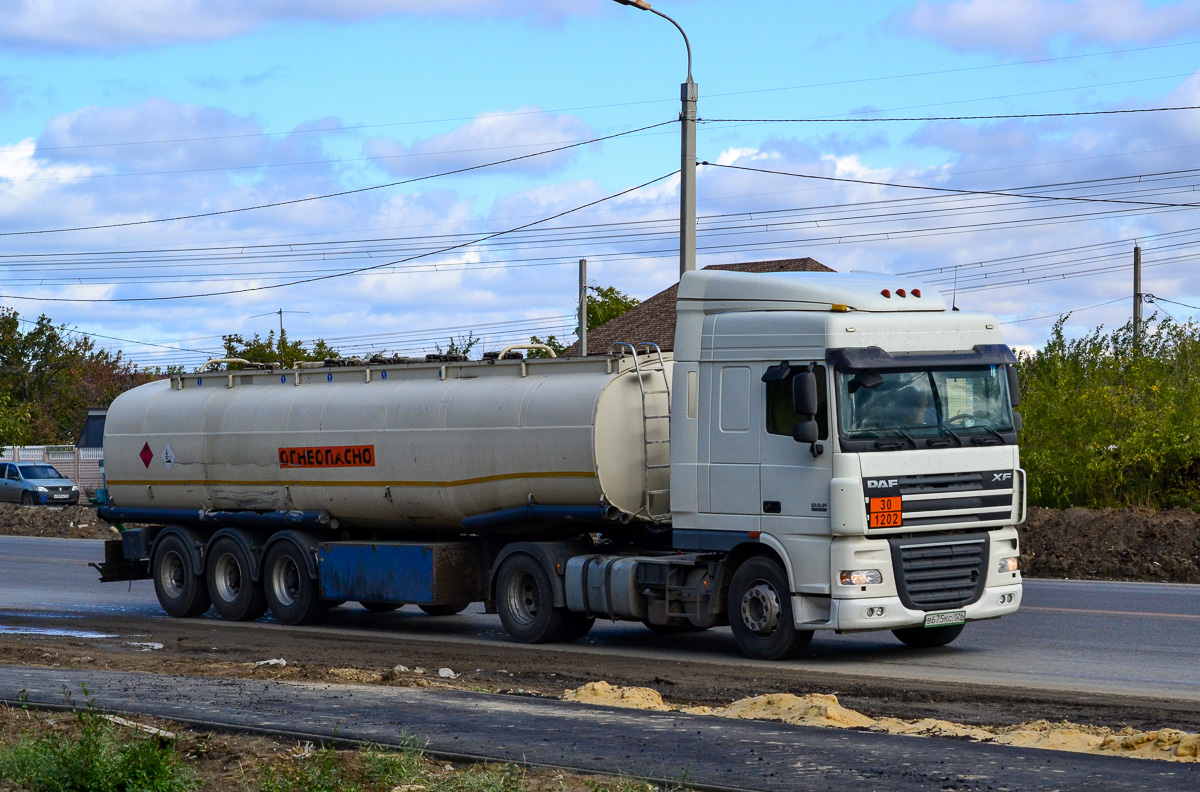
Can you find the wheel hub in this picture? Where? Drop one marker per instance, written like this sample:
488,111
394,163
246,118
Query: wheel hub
171,575
285,581
228,578
523,598
761,609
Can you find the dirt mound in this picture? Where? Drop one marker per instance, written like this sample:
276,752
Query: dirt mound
1112,544
63,522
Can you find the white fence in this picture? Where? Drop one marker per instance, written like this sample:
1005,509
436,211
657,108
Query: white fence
81,465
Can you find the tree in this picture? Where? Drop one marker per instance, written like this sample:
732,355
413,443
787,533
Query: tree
462,345
15,428
266,350
607,304
49,376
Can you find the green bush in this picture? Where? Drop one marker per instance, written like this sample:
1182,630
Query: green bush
1110,425
98,759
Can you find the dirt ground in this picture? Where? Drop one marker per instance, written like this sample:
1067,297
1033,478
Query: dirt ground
1081,544
1112,544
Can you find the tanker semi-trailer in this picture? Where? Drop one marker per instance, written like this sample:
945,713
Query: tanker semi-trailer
820,452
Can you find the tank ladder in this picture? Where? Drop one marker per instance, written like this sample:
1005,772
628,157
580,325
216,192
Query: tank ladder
656,426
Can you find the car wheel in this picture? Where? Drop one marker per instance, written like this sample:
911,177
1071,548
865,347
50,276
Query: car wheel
292,594
928,637
525,602
181,591
26,498
760,612
235,595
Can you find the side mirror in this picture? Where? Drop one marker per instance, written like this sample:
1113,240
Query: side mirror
1014,391
804,393
805,432
1016,421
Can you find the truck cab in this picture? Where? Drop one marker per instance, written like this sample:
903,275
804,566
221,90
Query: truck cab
860,437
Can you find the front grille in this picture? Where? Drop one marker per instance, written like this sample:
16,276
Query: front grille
942,575
943,499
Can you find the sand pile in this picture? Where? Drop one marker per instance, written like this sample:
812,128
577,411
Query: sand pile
824,710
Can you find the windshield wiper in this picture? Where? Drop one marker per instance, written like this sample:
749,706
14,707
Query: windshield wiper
981,441
952,433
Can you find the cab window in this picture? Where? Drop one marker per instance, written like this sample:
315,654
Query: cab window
780,415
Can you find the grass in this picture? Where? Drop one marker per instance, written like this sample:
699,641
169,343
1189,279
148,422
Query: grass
84,752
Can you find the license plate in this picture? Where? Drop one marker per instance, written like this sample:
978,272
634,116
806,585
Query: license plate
62,496
945,619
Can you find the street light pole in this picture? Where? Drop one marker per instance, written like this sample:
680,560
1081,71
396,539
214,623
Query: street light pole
689,93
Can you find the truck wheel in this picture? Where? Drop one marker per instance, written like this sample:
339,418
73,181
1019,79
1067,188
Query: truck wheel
445,610
181,592
928,637
525,601
380,607
235,595
760,612
291,593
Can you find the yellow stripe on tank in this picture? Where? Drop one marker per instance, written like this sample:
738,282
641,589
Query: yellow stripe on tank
240,482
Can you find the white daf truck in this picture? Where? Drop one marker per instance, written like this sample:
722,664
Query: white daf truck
821,452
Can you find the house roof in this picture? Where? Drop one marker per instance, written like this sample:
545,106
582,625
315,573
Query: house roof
654,319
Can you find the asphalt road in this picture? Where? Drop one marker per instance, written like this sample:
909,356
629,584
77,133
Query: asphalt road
1087,637
667,747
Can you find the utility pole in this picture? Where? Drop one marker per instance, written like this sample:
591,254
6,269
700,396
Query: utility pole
1137,297
583,307
689,93
280,312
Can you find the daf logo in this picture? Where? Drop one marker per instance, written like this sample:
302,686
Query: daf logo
1001,476
883,483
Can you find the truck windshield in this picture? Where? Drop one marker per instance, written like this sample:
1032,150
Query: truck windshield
910,408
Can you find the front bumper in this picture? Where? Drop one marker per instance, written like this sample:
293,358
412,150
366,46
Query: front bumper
850,615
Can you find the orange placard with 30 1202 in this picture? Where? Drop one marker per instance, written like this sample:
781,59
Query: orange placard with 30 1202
885,512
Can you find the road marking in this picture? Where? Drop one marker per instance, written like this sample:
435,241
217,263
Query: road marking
1111,612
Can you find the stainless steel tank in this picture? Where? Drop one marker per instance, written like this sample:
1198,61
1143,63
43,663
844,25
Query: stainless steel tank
424,444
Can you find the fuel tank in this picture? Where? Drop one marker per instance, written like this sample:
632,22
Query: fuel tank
421,445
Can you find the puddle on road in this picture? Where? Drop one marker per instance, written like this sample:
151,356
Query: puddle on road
52,631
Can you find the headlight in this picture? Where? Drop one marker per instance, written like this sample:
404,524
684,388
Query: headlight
1008,565
42,489
861,577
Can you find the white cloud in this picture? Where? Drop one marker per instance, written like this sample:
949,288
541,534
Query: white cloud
1026,27
85,24
486,138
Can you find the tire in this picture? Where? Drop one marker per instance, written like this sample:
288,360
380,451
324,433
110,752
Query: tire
181,592
26,498
445,610
235,595
525,601
928,637
760,612
380,607
293,596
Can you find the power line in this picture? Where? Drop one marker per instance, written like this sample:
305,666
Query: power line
827,120
347,272
337,194
1061,313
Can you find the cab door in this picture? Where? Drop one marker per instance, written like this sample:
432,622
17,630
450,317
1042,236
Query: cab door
794,482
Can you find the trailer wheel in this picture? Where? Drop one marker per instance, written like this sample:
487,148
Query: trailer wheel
445,610
525,601
235,595
181,592
380,607
928,637
292,594
760,612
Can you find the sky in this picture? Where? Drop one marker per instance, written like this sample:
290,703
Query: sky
391,174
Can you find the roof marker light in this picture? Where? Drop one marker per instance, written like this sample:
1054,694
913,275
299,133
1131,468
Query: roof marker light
886,293
901,293
916,293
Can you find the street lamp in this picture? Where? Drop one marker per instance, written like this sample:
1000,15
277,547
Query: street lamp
689,92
